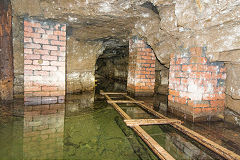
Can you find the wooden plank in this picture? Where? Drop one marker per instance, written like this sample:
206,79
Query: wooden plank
123,101
134,122
156,148
112,93
120,111
194,135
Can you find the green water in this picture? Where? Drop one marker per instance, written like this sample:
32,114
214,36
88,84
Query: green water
77,129
86,128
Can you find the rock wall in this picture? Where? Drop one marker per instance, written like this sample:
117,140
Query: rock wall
81,60
6,52
161,78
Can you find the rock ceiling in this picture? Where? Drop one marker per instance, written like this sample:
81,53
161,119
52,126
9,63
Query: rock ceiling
110,21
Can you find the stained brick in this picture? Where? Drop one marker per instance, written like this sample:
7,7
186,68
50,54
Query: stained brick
41,51
49,68
59,43
49,58
28,61
40,41
32,35
27,40
40,62
32,88
50,37
51,88
40,30
28,51
28,29
31,24
31,56
32,67
49,47
59,33
56,63
218,103
32,45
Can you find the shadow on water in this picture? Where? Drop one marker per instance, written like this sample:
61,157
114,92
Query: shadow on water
86,127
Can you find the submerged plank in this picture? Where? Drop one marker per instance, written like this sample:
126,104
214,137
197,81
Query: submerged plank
134,122
113,93
194,135
123,101
120,111
157,149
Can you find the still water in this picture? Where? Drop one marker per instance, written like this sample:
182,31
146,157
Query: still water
85,127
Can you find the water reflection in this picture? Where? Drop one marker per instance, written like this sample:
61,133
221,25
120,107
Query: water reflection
43,131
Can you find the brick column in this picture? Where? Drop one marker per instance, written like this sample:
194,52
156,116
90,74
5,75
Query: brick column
141,69
44,61
196,86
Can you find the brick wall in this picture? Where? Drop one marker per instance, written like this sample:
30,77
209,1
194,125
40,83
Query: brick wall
43,131
141,68
196,86
44,61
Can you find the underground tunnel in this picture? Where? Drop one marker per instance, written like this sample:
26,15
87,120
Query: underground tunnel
115,79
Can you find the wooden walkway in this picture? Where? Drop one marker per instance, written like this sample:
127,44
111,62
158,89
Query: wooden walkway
135,124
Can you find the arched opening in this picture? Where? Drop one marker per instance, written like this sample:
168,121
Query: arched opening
112,69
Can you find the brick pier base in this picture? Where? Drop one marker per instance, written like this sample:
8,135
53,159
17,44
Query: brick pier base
141,70
196,86
44,61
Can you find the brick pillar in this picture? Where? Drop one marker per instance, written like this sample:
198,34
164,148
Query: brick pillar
141,69
196,86
44,61
6,52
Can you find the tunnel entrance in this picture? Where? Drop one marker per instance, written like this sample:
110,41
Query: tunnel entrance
112,67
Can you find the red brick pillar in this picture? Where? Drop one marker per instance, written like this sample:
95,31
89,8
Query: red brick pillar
141,70
196,86
44,61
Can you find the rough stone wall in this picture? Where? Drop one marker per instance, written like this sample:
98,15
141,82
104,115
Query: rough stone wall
44,61
18,54
81,60
43,131
141,68
161,78
6,52
196,86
